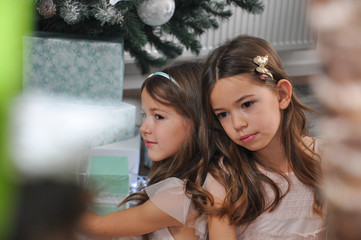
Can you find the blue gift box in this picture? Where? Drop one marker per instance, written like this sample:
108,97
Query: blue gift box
129,148
108,176
109,182
73,66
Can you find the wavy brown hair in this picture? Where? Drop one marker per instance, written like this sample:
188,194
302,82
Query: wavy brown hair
235,167
187,163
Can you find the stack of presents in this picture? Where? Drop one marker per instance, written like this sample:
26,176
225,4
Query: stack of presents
90,73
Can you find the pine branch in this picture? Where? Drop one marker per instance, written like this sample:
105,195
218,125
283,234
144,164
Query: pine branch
251,6
200,23
217,9
186,38
143,59
167,48
133,29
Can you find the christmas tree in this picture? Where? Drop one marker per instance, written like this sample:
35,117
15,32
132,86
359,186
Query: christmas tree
132,20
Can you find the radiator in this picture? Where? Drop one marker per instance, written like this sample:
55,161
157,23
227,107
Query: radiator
284,23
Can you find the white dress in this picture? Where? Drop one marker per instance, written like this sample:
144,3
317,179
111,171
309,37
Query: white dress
293,219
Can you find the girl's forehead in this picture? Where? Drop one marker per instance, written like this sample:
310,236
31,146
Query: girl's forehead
238,81
234,88
152,103
245,81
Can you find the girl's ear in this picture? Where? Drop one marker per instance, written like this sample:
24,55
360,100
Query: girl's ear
284,88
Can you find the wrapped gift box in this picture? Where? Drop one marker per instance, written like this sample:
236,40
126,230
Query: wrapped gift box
108,176
106,204
129,148
73,66
107,200
118,123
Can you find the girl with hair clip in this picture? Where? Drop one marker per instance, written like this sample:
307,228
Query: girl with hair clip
170,207
263,167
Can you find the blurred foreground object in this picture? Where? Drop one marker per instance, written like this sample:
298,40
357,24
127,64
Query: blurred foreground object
48,209
51,134
15,21
339,26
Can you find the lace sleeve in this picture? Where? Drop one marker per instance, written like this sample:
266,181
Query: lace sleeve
169,196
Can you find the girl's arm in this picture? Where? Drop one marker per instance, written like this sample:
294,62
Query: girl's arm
134,221
220,228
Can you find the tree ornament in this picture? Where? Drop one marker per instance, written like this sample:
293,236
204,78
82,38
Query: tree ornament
105,13
156,12
73,11
47,8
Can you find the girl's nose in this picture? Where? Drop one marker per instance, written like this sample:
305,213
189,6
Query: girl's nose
145,127
239,121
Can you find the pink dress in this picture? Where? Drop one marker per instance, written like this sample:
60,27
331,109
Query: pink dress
292,219
169,196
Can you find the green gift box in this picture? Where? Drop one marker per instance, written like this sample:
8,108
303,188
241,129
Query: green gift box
74,66
108,176
104,208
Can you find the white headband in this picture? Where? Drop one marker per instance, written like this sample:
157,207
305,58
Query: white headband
163,74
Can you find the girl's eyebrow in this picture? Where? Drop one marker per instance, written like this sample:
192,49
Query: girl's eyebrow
237,101
157,109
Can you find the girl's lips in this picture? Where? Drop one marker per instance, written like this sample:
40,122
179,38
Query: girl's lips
149,143
247,138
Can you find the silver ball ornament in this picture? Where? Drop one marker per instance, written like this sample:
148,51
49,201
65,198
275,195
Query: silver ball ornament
156,12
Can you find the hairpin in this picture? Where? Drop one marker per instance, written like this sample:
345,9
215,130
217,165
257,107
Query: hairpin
163,74
262,61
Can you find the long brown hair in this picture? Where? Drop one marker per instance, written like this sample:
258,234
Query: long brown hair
187,163
236,167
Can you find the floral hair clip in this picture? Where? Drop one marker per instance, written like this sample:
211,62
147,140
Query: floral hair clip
262,61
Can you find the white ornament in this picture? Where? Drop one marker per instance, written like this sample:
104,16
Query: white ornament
156,12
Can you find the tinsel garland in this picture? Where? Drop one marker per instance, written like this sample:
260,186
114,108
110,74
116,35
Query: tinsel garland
101,18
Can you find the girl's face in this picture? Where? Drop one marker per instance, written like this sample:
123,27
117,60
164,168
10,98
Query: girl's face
163,129
249,113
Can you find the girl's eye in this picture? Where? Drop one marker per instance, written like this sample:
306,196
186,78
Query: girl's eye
247,104
222,115
142,115
158,117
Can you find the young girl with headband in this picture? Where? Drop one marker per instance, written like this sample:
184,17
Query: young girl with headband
169,206
266,166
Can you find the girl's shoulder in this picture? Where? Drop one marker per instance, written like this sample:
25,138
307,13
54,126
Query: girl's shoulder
169,196
167,188
214,187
